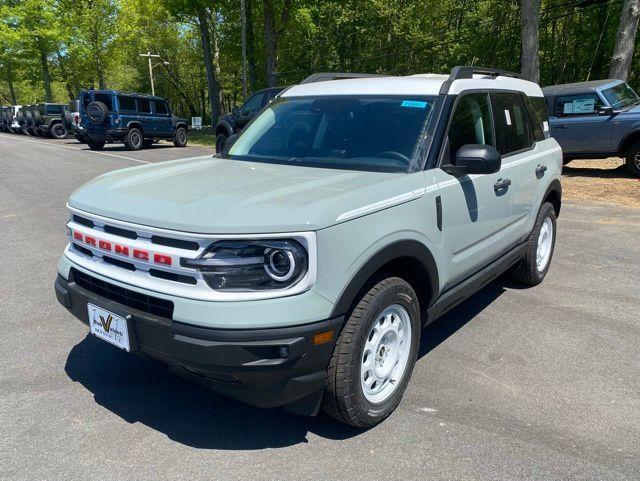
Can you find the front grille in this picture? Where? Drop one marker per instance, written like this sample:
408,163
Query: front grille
126,297
179,243
129,234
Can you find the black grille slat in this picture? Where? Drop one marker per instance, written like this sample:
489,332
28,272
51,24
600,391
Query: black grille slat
129,298
86,252
83,221
171,276
129,234
178,243
117,262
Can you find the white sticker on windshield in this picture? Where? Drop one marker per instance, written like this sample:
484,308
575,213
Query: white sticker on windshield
507,116
545,125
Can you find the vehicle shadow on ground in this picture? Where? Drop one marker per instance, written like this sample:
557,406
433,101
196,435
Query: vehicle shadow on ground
140,391
620,172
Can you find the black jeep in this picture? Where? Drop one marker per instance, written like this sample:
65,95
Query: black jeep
137,120
235,121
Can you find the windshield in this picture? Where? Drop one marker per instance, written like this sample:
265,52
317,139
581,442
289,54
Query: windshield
621,96
370,133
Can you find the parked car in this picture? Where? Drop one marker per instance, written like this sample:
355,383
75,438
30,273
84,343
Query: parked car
29,126
137,120
14,119
233,123
4,119
71,121
47,120
596,119
298,268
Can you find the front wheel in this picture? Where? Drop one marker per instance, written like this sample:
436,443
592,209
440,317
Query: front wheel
221,140
180,137
533,268
374,356
633,159
134,140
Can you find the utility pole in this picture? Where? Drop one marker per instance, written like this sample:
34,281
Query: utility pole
149,55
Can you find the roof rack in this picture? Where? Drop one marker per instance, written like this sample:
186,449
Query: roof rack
324,76
467,72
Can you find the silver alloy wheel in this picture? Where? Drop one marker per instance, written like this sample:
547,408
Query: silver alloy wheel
386,354
637,160
136,138
545,242
182,136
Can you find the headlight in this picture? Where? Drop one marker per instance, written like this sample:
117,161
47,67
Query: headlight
250,265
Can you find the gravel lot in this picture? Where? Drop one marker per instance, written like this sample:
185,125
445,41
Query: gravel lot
539,384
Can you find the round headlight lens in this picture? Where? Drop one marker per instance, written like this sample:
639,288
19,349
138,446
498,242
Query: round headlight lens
280,265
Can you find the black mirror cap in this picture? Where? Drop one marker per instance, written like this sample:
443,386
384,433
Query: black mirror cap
605,110
477,159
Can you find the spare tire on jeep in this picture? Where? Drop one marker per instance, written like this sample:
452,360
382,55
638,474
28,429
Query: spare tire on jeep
97,112
68,119
37,117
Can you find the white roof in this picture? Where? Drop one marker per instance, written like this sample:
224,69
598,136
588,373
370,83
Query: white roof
421,84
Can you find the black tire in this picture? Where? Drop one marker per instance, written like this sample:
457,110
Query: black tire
221,139
633,159
134,139
37,118
147,143
58,131
565,161
344,398
68,119
95,144
97,112
180,137
527,271
81,138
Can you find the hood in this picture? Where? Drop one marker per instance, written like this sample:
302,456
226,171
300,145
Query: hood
219,196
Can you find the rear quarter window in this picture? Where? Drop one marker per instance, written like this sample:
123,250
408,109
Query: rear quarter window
127,103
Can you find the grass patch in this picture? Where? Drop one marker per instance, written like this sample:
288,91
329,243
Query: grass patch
202,137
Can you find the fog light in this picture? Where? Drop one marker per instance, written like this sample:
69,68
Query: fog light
283,352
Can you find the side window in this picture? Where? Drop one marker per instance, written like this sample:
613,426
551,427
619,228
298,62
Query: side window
512,123
253,105
161,107
127,103
144,106
574,105
471,123
537,108
105,99
54,109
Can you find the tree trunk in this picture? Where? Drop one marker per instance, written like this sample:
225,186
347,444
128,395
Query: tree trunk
243,35
12,92
212,83
625,40
270,44
46,78
530,56
251,59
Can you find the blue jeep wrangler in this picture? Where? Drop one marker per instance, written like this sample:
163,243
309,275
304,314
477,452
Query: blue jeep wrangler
596,120
137,120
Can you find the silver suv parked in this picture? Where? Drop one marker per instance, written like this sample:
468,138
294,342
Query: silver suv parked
298,268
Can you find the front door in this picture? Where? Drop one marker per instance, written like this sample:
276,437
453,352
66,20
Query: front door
577,126
476,208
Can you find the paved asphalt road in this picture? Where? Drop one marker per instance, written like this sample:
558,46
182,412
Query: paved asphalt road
537,384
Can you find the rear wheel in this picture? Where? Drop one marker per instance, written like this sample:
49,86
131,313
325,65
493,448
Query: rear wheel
533,268
633,159
374,355
95,144
58,131
134,140
180,137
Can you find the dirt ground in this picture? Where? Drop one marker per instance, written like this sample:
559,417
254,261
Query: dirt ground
601,180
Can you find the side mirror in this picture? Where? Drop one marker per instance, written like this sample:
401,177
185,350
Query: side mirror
229,143
475,159
605,110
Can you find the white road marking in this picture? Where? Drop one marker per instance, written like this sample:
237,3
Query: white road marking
83,150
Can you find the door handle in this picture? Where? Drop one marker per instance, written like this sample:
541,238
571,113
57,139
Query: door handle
502,184
540,170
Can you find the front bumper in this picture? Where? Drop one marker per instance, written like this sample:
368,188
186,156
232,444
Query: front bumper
244,364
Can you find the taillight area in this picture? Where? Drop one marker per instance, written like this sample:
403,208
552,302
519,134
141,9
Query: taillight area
76,119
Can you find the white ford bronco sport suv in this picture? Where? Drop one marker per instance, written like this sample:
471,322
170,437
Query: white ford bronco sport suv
298,267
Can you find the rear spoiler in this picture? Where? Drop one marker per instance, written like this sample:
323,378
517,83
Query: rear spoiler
467,72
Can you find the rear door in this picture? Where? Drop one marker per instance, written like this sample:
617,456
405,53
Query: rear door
145,116
162,118
476,211
577,127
